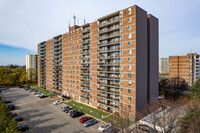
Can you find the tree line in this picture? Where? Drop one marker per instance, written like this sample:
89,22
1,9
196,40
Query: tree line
17,76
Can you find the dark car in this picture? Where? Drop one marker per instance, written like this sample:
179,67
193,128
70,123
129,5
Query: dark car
7,101
23,127
18,119
68,109
42,96
21,86
76,114
10,107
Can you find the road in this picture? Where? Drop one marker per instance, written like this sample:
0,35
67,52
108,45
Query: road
44,117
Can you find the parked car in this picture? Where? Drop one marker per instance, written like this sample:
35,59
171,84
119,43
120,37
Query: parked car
68,109
10,107
89,122
7,101
3,88
35,93
63,108
76,114
57,102
18,119
23,127
2,94
84,119
72,111
38,95
104,127
14,114
42,96
31,90
21,86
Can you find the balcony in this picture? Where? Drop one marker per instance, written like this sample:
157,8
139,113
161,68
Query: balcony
85,58
108,43
42,45
87,86
109,22
57,44
108,63
85,30
113,28
108,70
109,56
85,74
57,40
108,50
85,91
86,36
85,42
84,68
108,36
85,47
85,52
57,48
86,97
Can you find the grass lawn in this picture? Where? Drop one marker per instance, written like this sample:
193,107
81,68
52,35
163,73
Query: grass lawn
43,91
87,109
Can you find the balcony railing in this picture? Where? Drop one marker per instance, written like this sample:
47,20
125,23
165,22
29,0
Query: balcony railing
108,43
108,63
109,50
86,41
108,36
110,56
111,21
109,29
85,30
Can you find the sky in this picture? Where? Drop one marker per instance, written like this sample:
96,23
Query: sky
25,23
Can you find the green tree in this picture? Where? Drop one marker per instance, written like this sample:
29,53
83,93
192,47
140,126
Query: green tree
190,122
32,75
195,89
12,127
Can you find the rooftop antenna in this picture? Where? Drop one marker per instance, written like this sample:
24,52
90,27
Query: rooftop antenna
84,19
69,24
74,19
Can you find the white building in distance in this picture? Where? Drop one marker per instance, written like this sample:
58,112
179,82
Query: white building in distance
31,61
163,65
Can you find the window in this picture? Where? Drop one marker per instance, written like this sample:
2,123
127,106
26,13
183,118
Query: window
121,44
121,52
121,104
121,60
121,97
121,75
129,11
129,83
121,29
129,59
121,89
129,35
121,82
129,43
129,75
129,20
121,22
121,14
129,27
129,99
129,51
121,37
129,91
121,67
129,67
129,106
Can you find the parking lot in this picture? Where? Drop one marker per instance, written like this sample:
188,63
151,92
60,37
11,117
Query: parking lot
42,116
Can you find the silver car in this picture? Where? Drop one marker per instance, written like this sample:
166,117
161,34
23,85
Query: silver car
89,122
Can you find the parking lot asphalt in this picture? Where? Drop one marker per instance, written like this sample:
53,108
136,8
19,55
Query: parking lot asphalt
42,116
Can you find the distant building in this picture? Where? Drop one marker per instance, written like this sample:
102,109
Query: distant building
31,61
164,65
185,66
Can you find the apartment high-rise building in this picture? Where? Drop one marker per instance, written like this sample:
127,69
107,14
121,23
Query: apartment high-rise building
31,61
110,64
185,66
164,65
